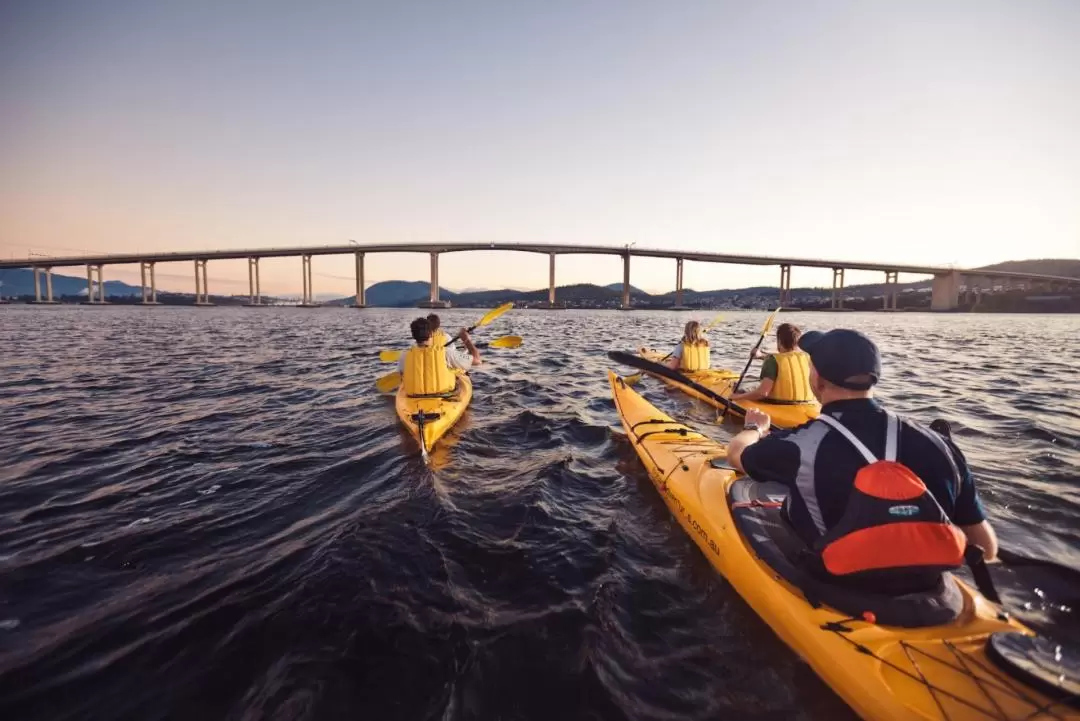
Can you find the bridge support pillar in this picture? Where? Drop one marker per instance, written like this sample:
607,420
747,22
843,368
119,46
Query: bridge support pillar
91,272
785,285
891,282
837,288
678,284
202,284
945,293
626,282
551,280
47,272
309,295
149,293
254,289
361,299
433,294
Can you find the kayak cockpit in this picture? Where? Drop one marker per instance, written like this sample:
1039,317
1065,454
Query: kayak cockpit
757,510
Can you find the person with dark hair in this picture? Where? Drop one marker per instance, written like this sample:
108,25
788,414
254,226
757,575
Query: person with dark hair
438,335
785,375
428,368
868,491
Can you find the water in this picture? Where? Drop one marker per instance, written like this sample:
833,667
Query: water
209,513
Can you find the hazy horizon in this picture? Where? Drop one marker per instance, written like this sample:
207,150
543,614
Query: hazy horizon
917,132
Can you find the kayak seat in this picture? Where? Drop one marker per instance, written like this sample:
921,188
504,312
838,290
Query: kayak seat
757,509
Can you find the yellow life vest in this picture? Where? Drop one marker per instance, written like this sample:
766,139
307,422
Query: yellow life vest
426,372
694,357
792,382
439,338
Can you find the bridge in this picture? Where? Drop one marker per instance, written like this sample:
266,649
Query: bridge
947,284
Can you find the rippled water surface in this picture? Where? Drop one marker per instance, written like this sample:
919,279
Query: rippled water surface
210,513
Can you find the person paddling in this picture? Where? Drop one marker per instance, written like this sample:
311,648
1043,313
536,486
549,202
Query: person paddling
428,367
785,375
872,494
692,353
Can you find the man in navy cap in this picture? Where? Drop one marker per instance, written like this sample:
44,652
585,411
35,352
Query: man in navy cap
818,463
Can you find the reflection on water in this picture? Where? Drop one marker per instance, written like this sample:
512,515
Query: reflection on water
211,514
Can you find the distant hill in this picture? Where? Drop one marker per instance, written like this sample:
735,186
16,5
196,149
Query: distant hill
397,294
20,282
1064,267
617,287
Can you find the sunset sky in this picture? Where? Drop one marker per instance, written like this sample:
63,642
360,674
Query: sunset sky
922,131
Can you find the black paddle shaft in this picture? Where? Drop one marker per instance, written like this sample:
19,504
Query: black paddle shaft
746,368
636,361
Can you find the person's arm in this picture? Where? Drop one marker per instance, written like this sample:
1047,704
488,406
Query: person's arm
674,358
469,346
762,391
968,511
401,364
746,438
769,371
982,535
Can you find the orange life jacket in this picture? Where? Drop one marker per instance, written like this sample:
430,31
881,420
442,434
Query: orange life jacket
893,529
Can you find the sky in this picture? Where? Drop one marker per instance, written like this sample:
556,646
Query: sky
923,131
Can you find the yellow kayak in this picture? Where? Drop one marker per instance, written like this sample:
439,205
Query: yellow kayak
951,670
428,418
720,382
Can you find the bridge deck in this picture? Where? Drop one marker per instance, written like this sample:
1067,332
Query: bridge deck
736,259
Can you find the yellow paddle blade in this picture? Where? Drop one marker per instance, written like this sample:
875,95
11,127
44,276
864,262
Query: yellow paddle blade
632,380
389,356
507,341
715,322
768,322
388,382
493,314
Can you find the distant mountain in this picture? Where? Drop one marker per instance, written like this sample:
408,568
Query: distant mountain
617,287
397,294
1064,267
20,282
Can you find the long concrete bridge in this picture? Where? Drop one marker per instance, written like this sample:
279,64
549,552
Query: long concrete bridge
948,281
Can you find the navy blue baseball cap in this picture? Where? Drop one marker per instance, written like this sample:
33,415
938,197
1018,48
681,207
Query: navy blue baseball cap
808,338
845,358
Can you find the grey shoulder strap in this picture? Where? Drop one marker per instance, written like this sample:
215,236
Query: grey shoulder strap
892,437
843,430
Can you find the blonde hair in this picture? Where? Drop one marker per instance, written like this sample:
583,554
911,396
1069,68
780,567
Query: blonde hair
693,334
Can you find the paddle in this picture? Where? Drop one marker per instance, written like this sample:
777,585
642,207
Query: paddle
390,381
636,361
506,341
761,339
635,378
1046,583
